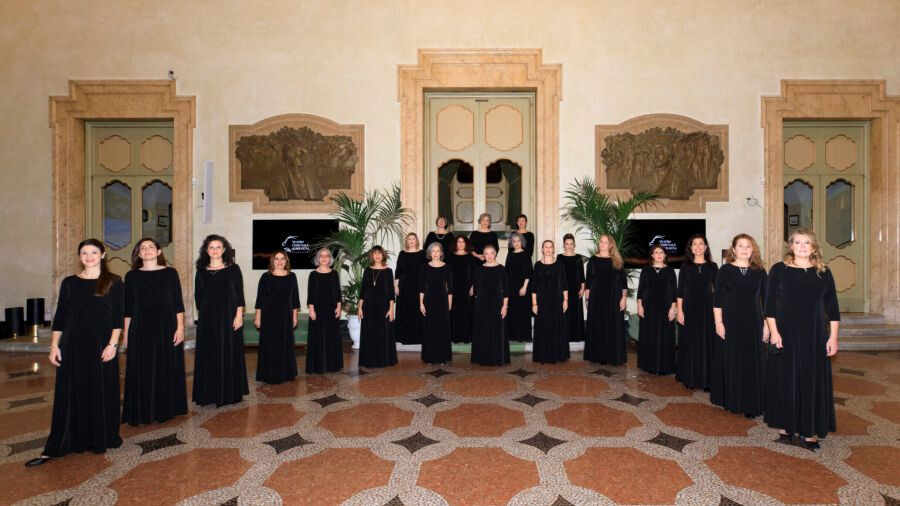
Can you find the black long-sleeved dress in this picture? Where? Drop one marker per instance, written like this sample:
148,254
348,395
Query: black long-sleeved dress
436,283
377,345
656,338
155,389
482,239
574,279
86,396
323,346
798,391
605,341
529,243
490,345
550,343
518,318
448,241
409,318
738,368
220,374
277,297
462,267
697,336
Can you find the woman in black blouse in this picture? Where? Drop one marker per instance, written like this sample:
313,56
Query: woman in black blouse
435,303
277,306
441,235
527,237
377,347
606,292
574,264
323,298
656,309
519,269
483,236
462,264
549,301
406,289
697,334
490,345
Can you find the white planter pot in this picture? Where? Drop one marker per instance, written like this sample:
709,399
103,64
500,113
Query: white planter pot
353,325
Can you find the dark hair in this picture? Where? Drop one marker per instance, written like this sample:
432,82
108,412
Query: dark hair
521,216
371,255
466,240
653,247
439,218
227,254
106,278
287,260
689,256
137,262
567,237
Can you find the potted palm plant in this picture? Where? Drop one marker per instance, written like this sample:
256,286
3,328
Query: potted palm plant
362,223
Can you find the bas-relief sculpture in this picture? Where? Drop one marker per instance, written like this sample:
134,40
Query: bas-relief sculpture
293,163
677,158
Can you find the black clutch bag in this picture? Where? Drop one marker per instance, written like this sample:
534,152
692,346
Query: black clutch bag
771,349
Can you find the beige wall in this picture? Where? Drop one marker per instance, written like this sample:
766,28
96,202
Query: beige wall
244,61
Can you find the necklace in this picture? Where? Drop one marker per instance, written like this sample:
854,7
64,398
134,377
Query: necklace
215,271
440,236
743,270
657,269
375,276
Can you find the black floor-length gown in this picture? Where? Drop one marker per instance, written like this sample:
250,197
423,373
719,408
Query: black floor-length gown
529,243
447,241
220,374
377,345
155,389
574,266
482,239
799,395
436,283
409,318
461,315
697,337
323,346
738,368
489,343
656,338
86,397
550,343
605,341
277,297
518,318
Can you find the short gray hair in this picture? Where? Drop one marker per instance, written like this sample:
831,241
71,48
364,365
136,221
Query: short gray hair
330,256
520,237
433,246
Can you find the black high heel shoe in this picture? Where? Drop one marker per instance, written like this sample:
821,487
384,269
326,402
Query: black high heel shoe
785,438
811,445
43,459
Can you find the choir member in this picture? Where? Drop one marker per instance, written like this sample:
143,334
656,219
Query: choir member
803,315
435,303
697,334
574,266
462,263
656,309
375,308
155,388
549,300
519,269
483,236
606,291
86,329
277,307
441,235
220,374
406,289
490,345
738,368
323,298
527,237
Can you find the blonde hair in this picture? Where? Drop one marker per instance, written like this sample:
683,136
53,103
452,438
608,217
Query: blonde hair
755,256
815,257
614,254
406,241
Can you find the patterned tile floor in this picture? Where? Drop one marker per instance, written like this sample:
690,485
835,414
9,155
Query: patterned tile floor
525,434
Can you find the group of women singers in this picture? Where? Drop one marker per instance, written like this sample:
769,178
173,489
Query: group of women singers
758,343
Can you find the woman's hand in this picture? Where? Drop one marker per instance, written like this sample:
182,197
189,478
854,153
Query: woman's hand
238,322
580,293
720,329
565,305
523,291
178,338
55,355
396,291
640,311
389,315
775,339
294,318
337,311
109,352
831,347
765,333
680,317
312,314
422,309
471,291
534,308
622,304
359,313
587,294
503,312
671,315
257,321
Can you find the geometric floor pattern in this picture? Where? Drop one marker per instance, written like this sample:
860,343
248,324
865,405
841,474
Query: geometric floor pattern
524,434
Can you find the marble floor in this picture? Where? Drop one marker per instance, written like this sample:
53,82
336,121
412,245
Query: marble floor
525,434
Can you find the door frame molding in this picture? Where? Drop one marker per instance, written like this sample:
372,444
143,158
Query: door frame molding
482,70
843,100
120,100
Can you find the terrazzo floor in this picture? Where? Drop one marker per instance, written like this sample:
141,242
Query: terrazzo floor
525,434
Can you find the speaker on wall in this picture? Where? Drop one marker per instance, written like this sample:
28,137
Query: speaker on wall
208,191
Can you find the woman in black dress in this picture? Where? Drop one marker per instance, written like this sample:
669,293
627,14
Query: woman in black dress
86,328
406,289
519,270
694,299
656,309
277,305
549,300
435,303
323,298
491,286
738,368
483,236
155,388
801,299
527,237
462,263
377,346
441,235
607,289
220,374
574,265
